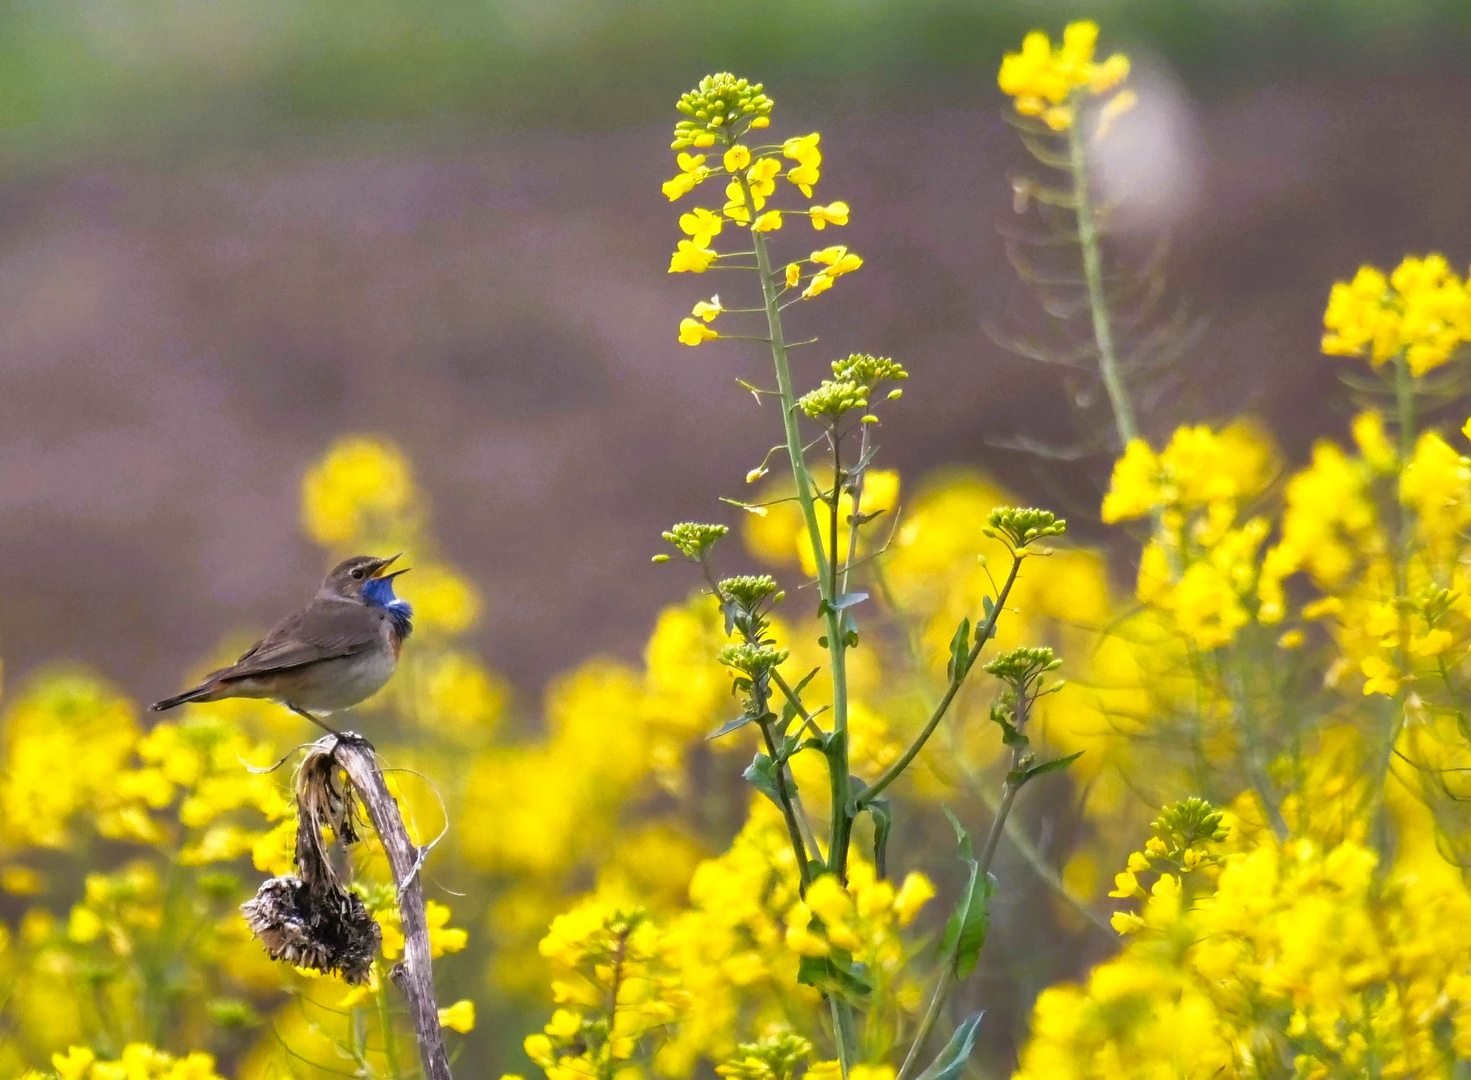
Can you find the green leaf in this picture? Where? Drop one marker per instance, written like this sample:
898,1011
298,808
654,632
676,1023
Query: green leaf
950,1062
883,823
965,931
761,774
959,652
834,974
1055,765
731,725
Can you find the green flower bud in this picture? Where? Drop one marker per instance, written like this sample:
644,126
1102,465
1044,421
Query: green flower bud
749,590
832,399
1191,823
752,660
719,102
775,1057
695,540
869,371
1019,527
1022,667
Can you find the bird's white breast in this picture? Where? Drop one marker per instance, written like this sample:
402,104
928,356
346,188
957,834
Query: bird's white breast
334,685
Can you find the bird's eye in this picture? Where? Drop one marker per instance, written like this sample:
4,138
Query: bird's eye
358,574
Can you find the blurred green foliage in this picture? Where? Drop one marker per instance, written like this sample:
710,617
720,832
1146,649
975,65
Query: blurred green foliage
143,76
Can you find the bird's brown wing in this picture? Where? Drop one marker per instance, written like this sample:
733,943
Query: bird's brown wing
325,630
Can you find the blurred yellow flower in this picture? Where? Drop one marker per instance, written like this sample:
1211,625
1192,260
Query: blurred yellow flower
360,489
458,1017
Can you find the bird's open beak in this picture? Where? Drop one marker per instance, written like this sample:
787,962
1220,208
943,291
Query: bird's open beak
385,564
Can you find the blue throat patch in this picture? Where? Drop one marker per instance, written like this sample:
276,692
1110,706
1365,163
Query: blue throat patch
378,592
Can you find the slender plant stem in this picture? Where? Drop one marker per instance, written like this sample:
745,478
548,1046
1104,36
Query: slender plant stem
1088,239
837,660
1404,397
957,679
947,972
385,1020
788,812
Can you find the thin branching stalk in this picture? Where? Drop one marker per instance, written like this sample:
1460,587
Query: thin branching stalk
1009,788
957,679
1089,241
843,1029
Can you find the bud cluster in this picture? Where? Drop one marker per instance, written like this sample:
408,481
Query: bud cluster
717,105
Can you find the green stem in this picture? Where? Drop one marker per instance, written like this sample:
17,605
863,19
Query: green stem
947,973
385,1021
957,679
788,812
837,660
1404,397
1088,239
841,823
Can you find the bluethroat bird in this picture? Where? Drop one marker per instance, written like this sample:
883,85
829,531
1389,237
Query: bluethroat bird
337,651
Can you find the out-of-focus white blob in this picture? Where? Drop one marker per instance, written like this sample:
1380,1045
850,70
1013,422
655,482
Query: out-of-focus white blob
1148,165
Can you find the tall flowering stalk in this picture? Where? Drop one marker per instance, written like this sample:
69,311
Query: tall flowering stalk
1055,89
718,139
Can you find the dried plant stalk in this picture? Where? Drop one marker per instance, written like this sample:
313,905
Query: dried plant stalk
315,922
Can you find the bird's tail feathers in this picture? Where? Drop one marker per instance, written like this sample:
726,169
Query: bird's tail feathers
198,693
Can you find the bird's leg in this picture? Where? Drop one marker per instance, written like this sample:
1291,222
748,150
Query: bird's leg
320,723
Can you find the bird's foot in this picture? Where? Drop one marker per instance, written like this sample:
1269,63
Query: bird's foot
328,728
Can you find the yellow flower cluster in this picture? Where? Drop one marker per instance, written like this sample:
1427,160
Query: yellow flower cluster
361,487
1050,82
1301,960
1421,311
616,989
1202,563
725,112
138,1061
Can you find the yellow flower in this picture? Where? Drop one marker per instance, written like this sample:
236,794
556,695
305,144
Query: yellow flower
804,151
1422,310
912,895
73,1064
707,309
831,214
1126,922
702,226
443,601
1134,490
692,171
762,178
736,159
458,1017
1125,884
362,487
768,222
1379,676
690,257
1043,79
794,278
693,332
564,1024
835,261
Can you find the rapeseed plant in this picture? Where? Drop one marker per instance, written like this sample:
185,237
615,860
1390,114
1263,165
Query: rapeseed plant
1276,716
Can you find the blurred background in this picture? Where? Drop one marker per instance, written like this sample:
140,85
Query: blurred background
233,229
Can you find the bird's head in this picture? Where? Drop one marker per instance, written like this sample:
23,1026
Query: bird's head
362,579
